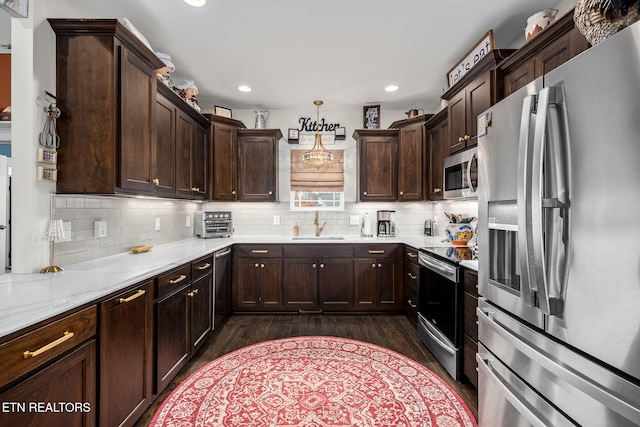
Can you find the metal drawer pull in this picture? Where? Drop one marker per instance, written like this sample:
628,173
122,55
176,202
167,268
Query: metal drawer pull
412,276
203,266
412,254
193,293
259,251
178,280
380,251
132,297
67,336
411,304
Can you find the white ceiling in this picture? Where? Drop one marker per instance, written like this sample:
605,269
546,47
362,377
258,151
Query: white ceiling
342,51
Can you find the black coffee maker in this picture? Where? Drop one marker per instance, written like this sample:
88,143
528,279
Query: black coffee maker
386,223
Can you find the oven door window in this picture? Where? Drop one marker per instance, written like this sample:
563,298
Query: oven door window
438,302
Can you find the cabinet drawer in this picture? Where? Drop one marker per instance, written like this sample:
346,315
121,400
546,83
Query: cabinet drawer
201,267
319,250
375,250
411,254
411,305
471,282
173,280
33,349
470,316
412,276
260,251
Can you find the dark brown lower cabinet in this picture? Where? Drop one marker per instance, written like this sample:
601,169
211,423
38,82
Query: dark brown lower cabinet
200,306
300,284
470,337
222,285
378,278
336,283
126,358
71,380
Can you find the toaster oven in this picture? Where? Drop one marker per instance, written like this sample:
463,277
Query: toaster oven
213,224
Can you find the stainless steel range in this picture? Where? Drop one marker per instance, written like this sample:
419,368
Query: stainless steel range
440,293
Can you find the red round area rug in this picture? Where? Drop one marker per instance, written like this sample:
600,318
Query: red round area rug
313,381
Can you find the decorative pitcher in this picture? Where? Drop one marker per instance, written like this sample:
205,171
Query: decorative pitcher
261,118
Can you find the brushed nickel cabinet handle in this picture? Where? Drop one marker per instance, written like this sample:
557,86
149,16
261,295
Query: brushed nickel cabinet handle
66,336
203,266
132,297
178,280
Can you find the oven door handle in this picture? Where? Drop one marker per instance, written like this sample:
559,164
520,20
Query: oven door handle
437,266
444,345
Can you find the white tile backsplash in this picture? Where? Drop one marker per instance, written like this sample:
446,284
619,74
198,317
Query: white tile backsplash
131,221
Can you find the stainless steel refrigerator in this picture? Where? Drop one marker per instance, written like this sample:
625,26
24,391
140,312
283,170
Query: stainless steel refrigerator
559,258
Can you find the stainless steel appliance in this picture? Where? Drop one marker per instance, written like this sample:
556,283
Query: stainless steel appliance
460,175
213,224
222,286
559,220
440,315
386,223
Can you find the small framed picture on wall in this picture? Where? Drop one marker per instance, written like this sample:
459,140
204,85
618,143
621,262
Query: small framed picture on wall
222,111
371,116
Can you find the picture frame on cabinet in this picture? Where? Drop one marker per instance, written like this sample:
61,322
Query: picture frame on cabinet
478,51
371,116
222,111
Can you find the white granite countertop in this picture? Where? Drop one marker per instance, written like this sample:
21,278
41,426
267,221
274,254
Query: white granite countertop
471,264
26,299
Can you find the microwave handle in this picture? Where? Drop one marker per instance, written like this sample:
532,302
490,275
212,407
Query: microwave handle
473,156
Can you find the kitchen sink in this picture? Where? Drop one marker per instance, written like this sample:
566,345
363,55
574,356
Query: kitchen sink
317,238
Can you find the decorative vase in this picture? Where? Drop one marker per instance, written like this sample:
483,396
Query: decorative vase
595,26
459,234
537,22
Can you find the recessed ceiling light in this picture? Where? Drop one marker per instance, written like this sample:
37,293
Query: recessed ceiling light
244,88
195,3
391,88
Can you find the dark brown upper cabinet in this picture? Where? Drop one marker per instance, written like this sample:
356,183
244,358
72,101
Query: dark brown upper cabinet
377,153
437,136
258,164
223,158
411,164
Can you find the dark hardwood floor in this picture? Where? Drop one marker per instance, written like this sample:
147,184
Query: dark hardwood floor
395,332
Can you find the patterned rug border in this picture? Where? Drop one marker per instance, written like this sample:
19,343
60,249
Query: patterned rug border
187,382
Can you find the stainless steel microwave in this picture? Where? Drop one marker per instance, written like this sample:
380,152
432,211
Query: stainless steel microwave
460,177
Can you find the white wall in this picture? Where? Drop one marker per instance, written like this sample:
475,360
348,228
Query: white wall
33,72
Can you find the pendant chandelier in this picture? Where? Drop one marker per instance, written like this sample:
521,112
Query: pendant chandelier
318,156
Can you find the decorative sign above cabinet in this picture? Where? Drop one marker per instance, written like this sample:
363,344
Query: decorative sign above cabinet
471,58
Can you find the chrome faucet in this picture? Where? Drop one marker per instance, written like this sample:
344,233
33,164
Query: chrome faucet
317,223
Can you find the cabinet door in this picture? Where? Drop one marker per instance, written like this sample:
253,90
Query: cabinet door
410,156
519,77
172,337
388,286
222,298
199,163
200,305
478,99
137,102
224,171
164,147
184,154
300,283
126,357
378,168
336,284
457,117
271,290
248,280
365,283
257,168
438,137
70,379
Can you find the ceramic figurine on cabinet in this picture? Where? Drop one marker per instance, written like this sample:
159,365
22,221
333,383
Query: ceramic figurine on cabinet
188,91
164,73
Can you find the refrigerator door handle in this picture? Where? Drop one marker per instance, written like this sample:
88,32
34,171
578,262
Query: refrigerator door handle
547,177
524,199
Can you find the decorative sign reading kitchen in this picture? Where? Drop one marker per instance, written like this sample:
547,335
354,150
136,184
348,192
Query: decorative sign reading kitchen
471,58
305,134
